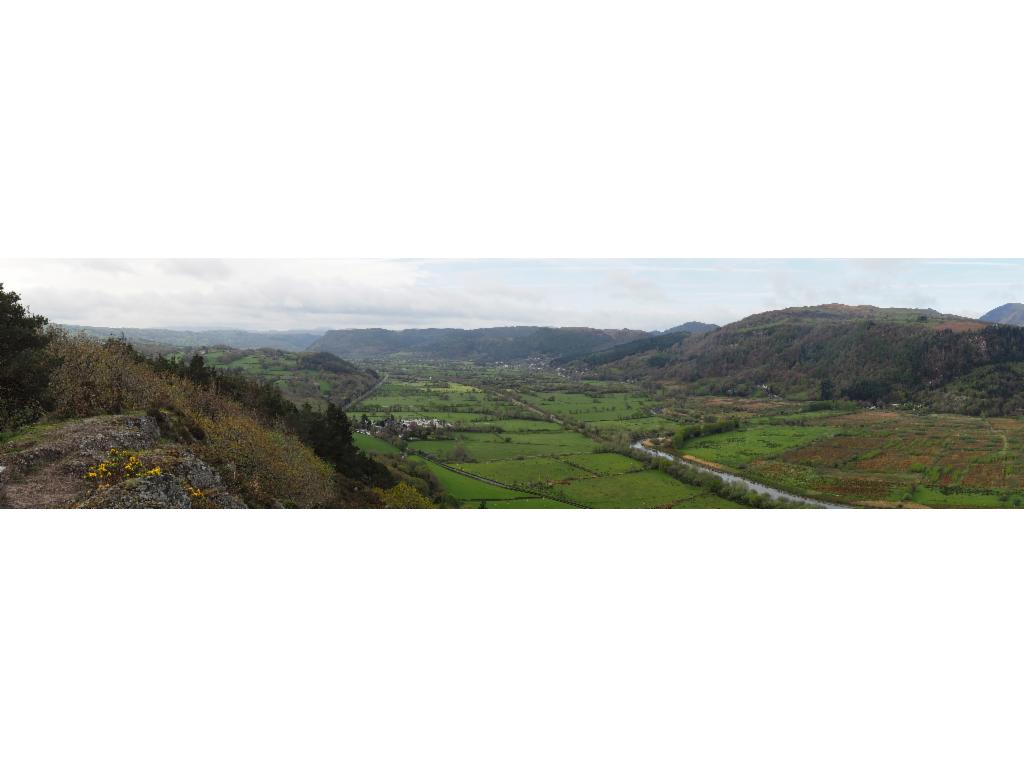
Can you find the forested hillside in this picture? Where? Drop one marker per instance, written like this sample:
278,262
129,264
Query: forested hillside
289,341
693,327
620,351
861,353
314,378
482,344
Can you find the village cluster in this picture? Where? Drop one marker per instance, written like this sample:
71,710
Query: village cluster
406,429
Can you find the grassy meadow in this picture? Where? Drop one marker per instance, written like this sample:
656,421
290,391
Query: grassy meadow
508,436
549,437
303,379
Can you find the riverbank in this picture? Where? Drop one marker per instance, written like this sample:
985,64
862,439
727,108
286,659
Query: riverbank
774,493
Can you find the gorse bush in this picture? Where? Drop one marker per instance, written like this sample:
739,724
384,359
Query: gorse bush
267,450
119,465
403,496
265,466
262,465
93,378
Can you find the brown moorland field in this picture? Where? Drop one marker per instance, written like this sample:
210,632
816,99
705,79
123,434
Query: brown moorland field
882,457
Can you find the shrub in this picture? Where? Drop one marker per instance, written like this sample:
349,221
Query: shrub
119,465
92,378
403,496
710,427
24,362
264,466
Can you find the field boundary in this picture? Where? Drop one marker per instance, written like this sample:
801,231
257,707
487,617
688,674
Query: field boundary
495,483
359,398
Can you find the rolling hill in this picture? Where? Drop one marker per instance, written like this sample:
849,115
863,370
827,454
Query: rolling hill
864,353
163,338
481,344
618,352
1008,314
316,378
693,327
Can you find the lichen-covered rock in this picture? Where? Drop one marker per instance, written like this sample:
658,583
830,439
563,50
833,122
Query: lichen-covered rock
153,492
130,433
51,469
184,482
199,474
29,459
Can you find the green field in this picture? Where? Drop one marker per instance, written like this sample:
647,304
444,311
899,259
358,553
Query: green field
371,444
468,488
513,445
650,425
520,425
525,471
595,406
933,497
529,504
736,449
300,377
606,463
486,446
877,457
649,488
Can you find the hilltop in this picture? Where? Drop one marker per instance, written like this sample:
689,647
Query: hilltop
315,378
860,352
1008,314
693,327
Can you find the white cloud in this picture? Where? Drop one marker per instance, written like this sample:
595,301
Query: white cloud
314,294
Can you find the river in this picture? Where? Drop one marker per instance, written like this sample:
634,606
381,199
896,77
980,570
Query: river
773,493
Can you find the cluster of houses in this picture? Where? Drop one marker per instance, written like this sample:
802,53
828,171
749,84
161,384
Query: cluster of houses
407,429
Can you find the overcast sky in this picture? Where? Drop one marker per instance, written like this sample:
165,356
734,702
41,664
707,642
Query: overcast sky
410,293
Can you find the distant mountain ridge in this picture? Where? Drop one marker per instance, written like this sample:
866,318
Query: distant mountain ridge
1007,314
286,341
693,327
619,351
861,352
481,344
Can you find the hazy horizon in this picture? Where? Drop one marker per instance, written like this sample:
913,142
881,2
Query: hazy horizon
645,294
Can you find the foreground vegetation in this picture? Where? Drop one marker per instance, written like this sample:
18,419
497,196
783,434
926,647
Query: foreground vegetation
268,451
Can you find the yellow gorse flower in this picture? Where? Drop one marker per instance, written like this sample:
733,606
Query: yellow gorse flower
120,465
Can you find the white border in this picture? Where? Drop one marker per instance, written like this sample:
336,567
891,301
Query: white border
565,129
467,638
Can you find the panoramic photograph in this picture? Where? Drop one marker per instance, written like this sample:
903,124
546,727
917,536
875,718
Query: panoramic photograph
512,383
548,384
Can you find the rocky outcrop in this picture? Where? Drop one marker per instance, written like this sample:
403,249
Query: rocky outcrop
184,482
157,492
47,468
